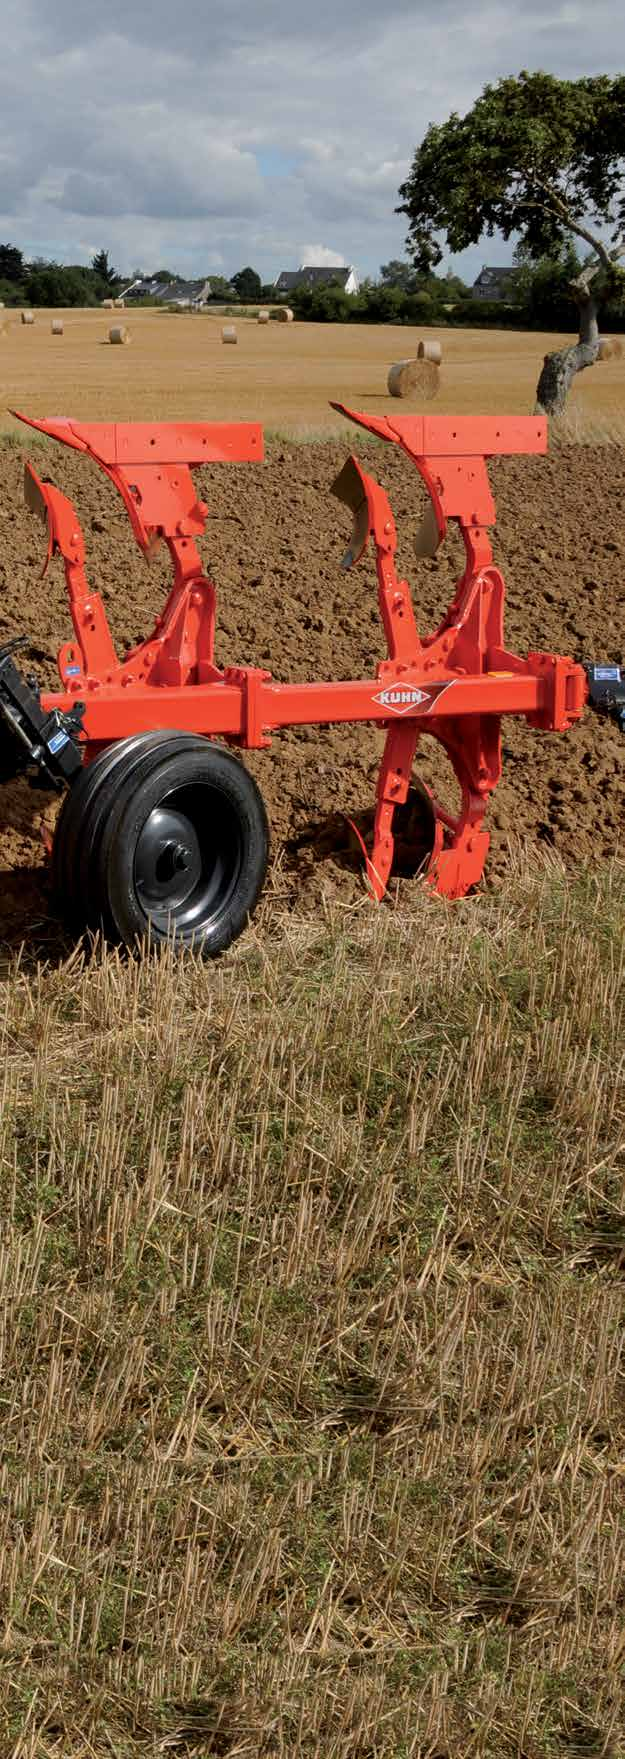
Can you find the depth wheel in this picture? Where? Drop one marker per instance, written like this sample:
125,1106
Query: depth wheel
72,844
183,853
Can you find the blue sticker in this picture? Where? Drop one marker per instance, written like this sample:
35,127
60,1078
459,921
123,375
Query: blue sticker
57,741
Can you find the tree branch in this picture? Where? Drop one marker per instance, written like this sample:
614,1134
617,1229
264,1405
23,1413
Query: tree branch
556,203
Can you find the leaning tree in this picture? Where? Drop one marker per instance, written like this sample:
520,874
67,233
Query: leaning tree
540,159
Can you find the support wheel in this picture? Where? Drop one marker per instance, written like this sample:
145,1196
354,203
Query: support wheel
174,846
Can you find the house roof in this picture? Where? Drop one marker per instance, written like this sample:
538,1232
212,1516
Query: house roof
169,292
487,274
312,277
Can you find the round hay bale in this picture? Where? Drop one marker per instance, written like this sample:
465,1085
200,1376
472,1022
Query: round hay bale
610,348
108,304
263,317
1,305
56,327
119,304
428,380
28,317
416,378
284,315
430,351
228,333
402,378
119,333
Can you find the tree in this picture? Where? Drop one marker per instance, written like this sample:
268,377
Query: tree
538,157
220,288
102,268
248,284
50,284
398,274
11,263
543,285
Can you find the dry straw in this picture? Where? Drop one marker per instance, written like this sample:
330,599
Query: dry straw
610,348
284,315
28,317
228,333
119,304
263,317
56,327
430,351
417,378
108,304
402,378
119,333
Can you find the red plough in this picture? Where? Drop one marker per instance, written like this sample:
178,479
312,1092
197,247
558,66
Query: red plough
162,829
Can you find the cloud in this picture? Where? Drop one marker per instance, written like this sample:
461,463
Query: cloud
214,135
317,256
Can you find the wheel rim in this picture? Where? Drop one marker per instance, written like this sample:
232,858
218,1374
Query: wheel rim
187,860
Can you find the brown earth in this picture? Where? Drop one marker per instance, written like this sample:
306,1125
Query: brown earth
274,542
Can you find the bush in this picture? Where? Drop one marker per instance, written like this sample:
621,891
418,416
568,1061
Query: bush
12,293
474,312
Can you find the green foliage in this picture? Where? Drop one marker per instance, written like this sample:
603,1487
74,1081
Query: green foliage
220,288
535,156
247,284
398,274
11,263
11,292
103,270
323,305
488,313
51,284
544,287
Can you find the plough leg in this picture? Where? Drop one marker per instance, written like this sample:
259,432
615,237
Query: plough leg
392,791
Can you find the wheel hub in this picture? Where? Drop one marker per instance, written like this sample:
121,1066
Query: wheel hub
168,860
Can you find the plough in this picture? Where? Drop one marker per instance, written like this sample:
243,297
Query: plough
162,830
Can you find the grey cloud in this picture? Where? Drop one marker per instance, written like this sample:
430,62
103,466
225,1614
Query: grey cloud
136,126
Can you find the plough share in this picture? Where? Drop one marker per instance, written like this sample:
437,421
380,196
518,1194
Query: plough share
162,831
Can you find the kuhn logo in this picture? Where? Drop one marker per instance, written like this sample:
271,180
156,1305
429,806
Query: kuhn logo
400,699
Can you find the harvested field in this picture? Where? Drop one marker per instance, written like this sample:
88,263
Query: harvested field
282,374
311,1342
274,542
312,1260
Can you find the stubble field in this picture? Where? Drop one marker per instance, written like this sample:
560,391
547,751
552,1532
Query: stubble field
176,367
312,1262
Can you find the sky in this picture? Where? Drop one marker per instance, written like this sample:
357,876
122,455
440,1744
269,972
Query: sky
229,132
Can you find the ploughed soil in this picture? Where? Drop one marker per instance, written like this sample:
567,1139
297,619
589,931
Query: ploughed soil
274,542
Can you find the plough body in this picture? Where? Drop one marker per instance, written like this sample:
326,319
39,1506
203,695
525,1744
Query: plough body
455,684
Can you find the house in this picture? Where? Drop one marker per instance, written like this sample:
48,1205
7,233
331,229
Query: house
310,277
495,284
190,295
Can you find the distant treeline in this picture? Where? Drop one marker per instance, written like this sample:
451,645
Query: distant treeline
541,298
541,301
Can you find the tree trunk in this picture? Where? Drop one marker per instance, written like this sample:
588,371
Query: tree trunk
559,369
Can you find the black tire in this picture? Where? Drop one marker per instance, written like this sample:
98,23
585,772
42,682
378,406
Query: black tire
135,759
72,835
183,854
